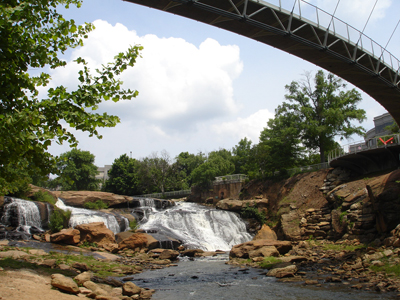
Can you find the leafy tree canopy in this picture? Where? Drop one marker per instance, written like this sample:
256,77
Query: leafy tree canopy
322,110
123,177
32,36
78,172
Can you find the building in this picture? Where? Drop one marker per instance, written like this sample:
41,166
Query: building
103,173
381,123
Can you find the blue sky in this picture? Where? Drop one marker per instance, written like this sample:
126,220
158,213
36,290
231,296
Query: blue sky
200,88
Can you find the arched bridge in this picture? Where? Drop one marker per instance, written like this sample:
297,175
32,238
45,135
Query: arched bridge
336,47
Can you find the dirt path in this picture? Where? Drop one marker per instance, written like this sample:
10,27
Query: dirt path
28,285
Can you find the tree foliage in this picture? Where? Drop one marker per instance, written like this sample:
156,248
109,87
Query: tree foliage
218,164
32,37
78,172
323,110
123,177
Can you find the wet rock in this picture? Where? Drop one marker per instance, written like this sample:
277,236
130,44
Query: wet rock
169,254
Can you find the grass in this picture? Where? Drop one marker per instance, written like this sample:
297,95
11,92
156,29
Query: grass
269,262
388,268
42,196
99,204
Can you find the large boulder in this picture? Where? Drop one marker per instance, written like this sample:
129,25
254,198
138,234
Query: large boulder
290,225
79,198
243,250
68,236
135,241
288,271
238,205
265,233
96,232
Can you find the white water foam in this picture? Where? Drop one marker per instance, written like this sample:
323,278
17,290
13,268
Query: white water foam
199,227
85,216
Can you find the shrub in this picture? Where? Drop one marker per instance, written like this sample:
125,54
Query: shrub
269,261
42,196
133,225
99,204
252,212
59,219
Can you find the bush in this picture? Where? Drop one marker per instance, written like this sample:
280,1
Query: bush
99,204
133,225
253,213
59,219
42,196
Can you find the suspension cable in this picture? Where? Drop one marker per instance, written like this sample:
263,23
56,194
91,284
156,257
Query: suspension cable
369,16
392,34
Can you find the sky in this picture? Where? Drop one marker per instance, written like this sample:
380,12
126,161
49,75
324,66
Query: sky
200,88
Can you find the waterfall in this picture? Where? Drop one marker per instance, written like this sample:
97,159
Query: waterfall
22,214
84,216
199,227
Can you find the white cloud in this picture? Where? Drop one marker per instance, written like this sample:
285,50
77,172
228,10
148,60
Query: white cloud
249,127
179,84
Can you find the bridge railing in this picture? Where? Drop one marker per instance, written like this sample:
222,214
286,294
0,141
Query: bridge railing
324,20
373,143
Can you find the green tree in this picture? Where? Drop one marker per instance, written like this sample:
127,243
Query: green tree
217,164
123,177
157,171
323,109
279,147
185,163
78,172
32,37
243,157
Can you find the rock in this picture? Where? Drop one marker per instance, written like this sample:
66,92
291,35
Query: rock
243,250
83,277
265,233
51,263
288,271
123,235
16,254
135,241
231,205
79,198
64,283
265,251
80,266
68,236
130,289
96,232
290,225
191,252
169,254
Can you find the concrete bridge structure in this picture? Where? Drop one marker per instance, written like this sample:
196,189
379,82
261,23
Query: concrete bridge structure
326,41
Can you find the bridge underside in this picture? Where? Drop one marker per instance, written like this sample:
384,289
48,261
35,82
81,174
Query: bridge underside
370,161
304,39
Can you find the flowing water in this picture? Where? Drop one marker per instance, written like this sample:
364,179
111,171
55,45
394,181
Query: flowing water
212,279
198,226
85,216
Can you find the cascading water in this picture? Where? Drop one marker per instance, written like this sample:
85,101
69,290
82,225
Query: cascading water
22,214
199,227
84,216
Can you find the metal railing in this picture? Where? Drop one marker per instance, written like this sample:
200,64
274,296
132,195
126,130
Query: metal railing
373,143
230,178
326,21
